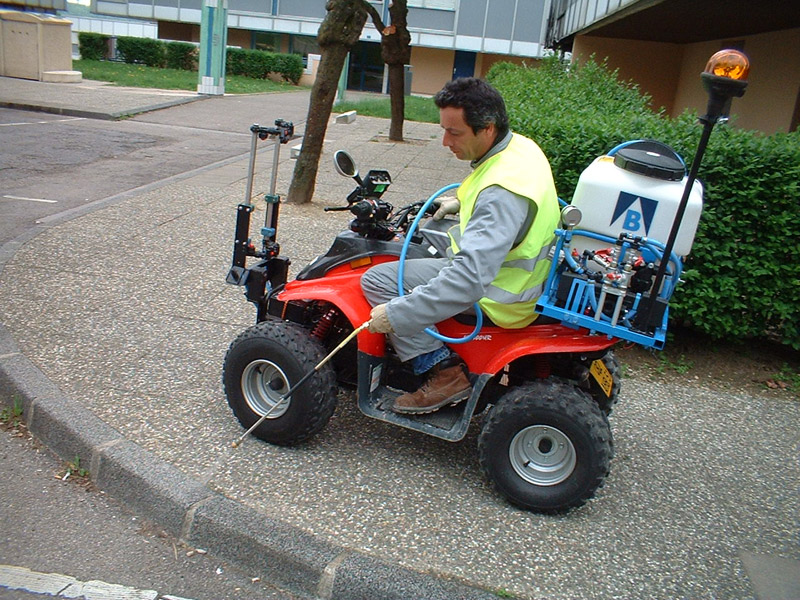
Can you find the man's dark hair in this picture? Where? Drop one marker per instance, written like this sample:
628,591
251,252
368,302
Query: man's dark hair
482,104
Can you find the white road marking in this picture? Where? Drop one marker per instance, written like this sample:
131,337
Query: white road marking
30,199
64,586
42,122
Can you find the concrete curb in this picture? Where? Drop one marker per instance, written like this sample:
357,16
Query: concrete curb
102,115
280,554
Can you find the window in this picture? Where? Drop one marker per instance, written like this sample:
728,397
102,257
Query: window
440,4
269,42
303,44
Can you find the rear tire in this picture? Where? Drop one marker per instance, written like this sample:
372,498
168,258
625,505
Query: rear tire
546,447
261,366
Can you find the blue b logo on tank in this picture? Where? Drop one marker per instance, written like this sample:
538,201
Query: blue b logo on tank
634,213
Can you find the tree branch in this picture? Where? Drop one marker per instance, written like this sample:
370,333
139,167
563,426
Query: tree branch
375,16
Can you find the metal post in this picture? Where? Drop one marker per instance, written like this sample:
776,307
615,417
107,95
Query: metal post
272,200
342,87
275,157
253,149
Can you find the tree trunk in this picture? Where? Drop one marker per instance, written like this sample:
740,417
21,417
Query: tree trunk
397,98
338,33
396,53
323,93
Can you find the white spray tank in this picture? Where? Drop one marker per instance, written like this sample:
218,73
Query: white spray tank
636,189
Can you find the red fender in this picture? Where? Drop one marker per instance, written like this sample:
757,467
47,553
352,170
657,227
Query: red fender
342,288
495,347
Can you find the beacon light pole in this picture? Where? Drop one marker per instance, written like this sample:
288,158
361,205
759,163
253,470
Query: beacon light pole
724,78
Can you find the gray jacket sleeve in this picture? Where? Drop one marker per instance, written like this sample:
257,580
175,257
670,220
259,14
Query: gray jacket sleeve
490,234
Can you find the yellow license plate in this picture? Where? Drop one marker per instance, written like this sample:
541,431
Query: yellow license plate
602,376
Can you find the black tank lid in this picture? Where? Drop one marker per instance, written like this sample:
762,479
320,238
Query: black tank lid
652,159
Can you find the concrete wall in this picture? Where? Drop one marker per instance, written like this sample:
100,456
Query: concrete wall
56,45
774,89
670,74
240,37
20,48
484,62
654,66
182,32
432,69
310,74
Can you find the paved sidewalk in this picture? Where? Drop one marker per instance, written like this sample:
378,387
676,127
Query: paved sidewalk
90,99
117,355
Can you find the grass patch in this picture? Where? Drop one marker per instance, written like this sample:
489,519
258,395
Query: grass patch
787,378
416,108
169,79
11,416
75,473
12,419
681,365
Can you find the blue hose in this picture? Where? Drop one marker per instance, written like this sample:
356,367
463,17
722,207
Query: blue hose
401,270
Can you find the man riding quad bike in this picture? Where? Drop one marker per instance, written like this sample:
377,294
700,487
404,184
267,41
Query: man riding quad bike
544,385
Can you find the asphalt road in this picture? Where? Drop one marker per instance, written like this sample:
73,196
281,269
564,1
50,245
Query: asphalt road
52,163
52,523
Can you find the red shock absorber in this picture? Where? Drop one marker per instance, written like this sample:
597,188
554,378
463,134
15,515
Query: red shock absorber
324,324
541,366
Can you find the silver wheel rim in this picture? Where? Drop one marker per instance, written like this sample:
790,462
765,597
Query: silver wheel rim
263,386
542,455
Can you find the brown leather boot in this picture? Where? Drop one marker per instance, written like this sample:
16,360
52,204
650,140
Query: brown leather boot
446,384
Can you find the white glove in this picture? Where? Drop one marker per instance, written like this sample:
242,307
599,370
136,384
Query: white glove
379,320
447,206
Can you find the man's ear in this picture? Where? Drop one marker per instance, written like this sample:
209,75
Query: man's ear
491,132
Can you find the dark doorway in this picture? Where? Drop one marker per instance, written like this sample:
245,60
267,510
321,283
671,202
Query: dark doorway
366,68
464,64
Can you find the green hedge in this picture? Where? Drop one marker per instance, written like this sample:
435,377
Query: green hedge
742,279
157,53
290,67
142,51
181,55
93,46
259,64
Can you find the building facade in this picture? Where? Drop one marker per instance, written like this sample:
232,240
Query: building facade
449,37
663,45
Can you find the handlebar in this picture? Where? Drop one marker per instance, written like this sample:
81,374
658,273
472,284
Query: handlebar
283,130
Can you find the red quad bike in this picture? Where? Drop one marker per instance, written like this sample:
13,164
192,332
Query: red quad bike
545,391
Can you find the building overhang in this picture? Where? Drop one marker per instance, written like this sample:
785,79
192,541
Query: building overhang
690,21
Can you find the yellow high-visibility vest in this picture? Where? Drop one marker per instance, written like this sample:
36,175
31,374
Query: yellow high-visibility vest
523,169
